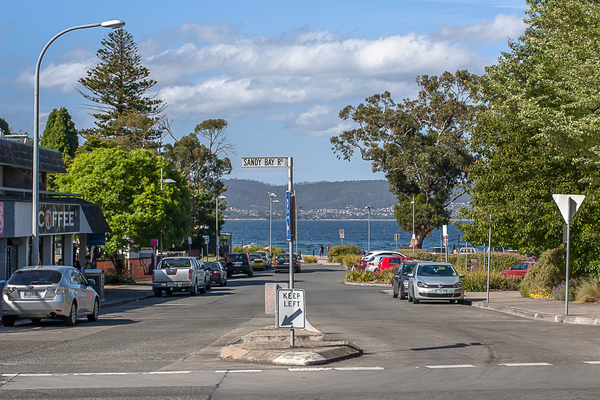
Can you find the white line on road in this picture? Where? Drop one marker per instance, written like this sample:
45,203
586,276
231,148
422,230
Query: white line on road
450,366
233,371
167,372
359,368
319,369
315,369
592,362
526,364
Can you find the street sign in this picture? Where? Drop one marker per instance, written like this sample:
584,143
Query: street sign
568,204
206,239
291,309
189,240
264,162
446,240
396,236
341,233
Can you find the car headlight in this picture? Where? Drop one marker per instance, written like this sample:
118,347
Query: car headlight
9,289
421,284
458,284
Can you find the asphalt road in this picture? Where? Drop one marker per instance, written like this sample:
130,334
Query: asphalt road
167,348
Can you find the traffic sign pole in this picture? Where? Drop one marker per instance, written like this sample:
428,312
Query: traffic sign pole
291,242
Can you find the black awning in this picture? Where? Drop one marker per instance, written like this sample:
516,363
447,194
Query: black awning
95,218
20,155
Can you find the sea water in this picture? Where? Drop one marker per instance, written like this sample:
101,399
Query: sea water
314,233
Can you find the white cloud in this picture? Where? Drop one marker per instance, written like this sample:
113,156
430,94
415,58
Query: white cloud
317,121
499,30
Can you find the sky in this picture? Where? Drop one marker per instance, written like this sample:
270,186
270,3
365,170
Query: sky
277,72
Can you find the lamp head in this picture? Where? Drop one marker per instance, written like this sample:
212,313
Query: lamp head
113,23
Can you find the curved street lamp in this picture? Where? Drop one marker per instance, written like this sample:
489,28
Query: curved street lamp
272,200
369,228
35,245
221,197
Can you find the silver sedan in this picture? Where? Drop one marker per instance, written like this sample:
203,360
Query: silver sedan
57,292
435,281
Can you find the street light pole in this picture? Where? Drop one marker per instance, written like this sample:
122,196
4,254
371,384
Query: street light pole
413,224
271,201
221,197
369,228
35,200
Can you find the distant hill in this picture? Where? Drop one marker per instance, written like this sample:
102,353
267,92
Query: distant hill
253,195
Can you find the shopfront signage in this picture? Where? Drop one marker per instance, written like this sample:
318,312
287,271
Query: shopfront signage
58,218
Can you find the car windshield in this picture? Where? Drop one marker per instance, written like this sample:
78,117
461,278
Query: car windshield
408,269
212,265
43,277
237,257
176,263
437,270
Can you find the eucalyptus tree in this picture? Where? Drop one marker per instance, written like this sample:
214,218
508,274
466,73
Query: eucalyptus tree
421,145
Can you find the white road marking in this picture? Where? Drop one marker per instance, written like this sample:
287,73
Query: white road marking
319,369
359,368
592,362
167,372
526,364
233,371
314,369
450,366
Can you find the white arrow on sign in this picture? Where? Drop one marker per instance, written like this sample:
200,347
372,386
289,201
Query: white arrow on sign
568,204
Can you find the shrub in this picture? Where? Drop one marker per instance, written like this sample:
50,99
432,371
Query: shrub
558,292
476,281
366,276
542,276
349,260
342,249
588,291
310,259
113,279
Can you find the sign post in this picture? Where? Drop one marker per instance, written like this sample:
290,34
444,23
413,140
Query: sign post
269,162
568,204
342,235
290,309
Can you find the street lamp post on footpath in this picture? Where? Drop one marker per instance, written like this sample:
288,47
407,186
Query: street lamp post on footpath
221,197
272,200
369,228
35,198
413,224
168,180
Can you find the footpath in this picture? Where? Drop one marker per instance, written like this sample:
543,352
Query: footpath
270,345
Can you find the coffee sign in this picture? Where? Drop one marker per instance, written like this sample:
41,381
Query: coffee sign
58,218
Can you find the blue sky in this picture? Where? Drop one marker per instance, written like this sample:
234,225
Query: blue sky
278,72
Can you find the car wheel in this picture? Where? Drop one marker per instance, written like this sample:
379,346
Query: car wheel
225,284
194,289
402,294
394,293
203,289
452,301
208,286
461,301
222,283
409,296
415,300
9,321
157,292
251,273
36,321
169,292
72,318
93,317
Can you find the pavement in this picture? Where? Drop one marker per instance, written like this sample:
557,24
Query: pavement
270,345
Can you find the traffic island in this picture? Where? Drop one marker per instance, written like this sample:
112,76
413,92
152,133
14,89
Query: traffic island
272,346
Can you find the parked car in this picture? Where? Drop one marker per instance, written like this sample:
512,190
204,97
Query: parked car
390,262
180,274
238,263
435,281
438,250
267,258
56,292
257,261
282,263
218,274
374,259
467,250
401,278
519,269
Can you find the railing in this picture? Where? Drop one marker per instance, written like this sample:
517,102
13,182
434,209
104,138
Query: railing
47,194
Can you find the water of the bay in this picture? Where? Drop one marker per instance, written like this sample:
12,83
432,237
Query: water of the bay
314,233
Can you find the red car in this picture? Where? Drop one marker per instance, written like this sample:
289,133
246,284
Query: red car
519,269
390,262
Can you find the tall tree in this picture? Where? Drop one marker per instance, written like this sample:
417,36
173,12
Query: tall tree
539,133
126,186
421,146
4,128
118,87
60,133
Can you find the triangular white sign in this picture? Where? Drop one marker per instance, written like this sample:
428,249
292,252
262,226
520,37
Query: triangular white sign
568,204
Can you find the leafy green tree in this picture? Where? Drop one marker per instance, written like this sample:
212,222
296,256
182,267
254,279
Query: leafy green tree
117,88
126,186
421,146
4,128
539,134
203,166
60,133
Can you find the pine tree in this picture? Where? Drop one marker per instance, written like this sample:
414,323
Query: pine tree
60,133
4,128
117,89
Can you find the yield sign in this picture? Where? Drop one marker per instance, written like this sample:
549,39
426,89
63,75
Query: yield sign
291,310
568,204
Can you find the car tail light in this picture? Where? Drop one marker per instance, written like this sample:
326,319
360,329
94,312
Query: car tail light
60,290
190,274
9,289
217,273
153,275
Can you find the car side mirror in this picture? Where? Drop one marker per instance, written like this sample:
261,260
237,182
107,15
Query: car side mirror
411,275
461,276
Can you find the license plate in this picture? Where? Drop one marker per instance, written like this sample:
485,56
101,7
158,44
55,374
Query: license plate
171,284
441,291
31,294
